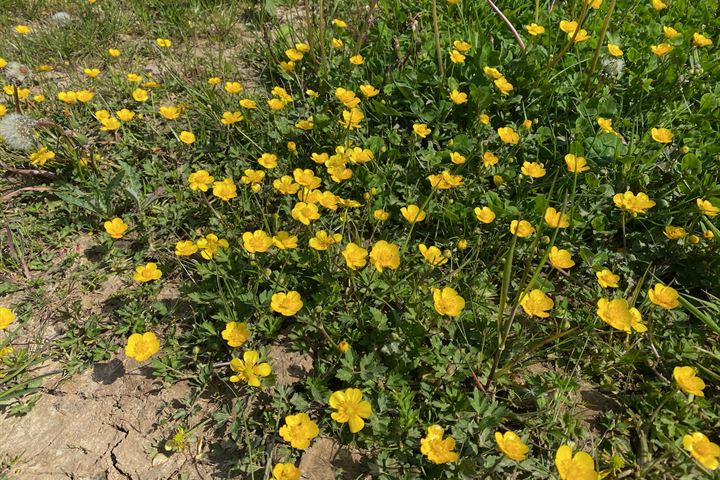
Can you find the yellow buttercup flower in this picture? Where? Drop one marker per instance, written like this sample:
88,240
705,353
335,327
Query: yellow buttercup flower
200,180
445,180
511,445
286,471
457,57
670,32
700,40
248,369
461,46
125,115
7,317
576,164
661,49
619,315
381,215
186,137
185,248
140,95
662,135
116,228
225,189
412,213
614,50
493,73
504,86
658,5
578,467
448,302
357,59
22,29
355,256
323,240
560,258
521,228
607,279
421,130
508,135
457,158
534,29
703,450
351,118
235,333
484,214
284,240
674,233
368,90
41,156
490,159
556,219
286,303
664,296
147,273
350,408
92,72
688,381
436,448
210,244
305,212
707,208
257,241
385,255
632,203
142,346
533,169
268,160
536,303
433,255
458,98
299,430
163,42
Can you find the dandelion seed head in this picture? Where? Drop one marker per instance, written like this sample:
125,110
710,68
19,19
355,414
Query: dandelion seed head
17,131
61,18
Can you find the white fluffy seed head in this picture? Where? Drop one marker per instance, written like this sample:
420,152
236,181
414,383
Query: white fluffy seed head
17,131
61,18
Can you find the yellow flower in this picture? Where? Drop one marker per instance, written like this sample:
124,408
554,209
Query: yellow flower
560,258
536,303
385,255
662,135
457,57
674,233
225,189
594,3
247,103
294,55
285,185
412,213
457,158
6,317
707,208
688,381
533,169
508,135
527,123
200,180
658,5
490,159
661,49
708,235
65,97
235,333
350,408
336,43
614,50
368,90
355,256
607,279
187,137
445,180
210,244
299,430
534,29
703,450
511,445
605,125
576,164
578,467
147,273
305,212
617,314
268,160
286,303
163,42
351,118
92,72
670,32
22,29
142,346
257,241
347,97
322,240
357,59
700,40
84,96
113,52
248,369
493,73
134,77
343,346
305,124
421,130
504,86
185,248
484,118
484,214
110,124
433,255
461,46
462,244
436,448
664,296
284,241
339,23
116,228
41,156
381,215
448,302
125,115
285,471
252,177
521,228
556,219
140,95
3,62
632,203
458,98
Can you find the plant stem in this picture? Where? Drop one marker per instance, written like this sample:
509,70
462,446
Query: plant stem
593,64
436,29
508,23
